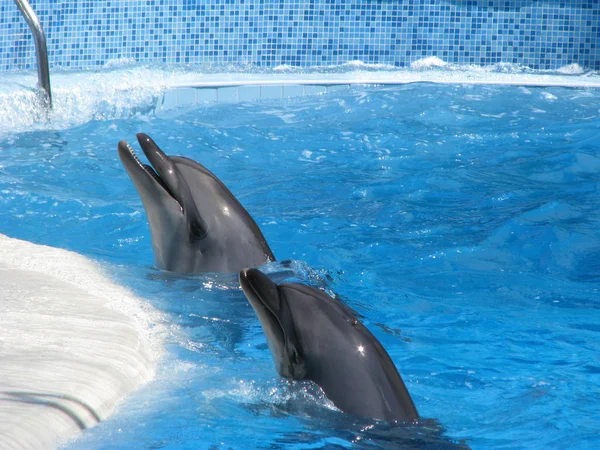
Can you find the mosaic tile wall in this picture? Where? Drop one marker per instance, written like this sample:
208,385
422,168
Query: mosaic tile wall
541,34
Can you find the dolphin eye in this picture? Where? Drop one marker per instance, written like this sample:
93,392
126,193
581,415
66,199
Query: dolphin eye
197,231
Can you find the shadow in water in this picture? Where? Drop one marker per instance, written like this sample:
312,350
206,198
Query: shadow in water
56,401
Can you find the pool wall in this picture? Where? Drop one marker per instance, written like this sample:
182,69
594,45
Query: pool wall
539,34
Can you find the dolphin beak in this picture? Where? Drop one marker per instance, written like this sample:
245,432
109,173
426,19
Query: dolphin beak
146,177
159,160
277,323
162,166
260,291
129,159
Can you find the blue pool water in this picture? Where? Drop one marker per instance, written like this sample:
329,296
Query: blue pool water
461,222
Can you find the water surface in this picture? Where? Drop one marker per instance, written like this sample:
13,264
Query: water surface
461,222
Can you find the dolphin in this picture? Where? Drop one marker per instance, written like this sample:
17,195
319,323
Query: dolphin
196,223
312,336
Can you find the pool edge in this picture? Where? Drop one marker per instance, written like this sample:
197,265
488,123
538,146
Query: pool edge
73,345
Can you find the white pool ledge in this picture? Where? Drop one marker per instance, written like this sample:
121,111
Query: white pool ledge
72,345
440,76
206,89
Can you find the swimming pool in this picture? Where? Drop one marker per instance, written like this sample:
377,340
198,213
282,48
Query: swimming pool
460,221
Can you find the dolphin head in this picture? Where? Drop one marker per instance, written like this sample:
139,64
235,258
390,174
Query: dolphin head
197,225
274,315
316,337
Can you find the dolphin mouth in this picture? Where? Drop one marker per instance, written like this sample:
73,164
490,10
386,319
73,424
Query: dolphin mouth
135,166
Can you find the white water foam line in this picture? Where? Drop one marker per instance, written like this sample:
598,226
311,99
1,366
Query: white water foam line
72,345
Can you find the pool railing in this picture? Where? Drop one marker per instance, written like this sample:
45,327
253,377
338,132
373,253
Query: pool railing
40,49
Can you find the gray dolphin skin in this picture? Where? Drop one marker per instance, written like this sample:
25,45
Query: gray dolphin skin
197,224
312,336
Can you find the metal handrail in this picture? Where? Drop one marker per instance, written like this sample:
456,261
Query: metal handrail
41,50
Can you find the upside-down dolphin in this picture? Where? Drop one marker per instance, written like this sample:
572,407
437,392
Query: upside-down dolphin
312,336
197,224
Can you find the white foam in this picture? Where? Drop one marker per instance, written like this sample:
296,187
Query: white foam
284,68
72,344
79,97
119,62
571,69
428,63
360,65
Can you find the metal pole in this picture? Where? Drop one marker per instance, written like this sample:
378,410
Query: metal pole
40,50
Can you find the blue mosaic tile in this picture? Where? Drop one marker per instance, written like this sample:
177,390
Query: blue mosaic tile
539,34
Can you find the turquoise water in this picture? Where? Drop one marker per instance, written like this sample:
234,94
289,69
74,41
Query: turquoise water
461,222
